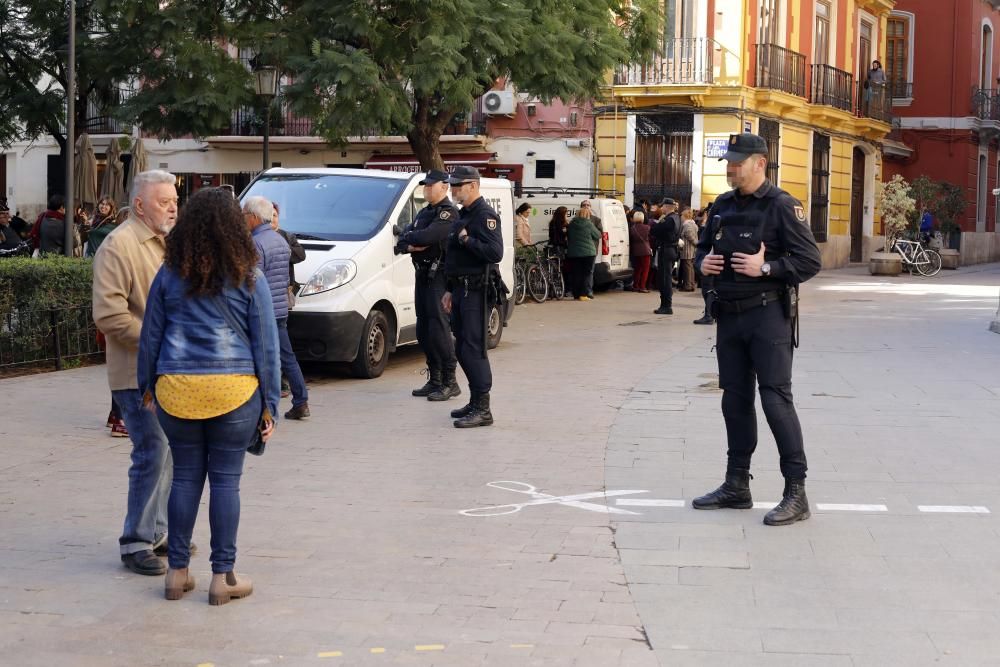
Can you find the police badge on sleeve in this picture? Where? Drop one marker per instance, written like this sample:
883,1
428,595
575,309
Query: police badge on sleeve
800,214
491,224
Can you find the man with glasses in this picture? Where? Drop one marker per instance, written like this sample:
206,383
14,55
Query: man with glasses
474,244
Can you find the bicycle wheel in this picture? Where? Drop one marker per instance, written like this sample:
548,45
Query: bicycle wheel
556,281
520,286
536,284
929,263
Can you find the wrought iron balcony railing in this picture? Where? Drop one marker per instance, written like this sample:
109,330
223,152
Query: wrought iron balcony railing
780,69
874,101
986,103
832,87
683,61
900,89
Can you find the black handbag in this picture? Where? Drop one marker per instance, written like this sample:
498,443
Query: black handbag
257,444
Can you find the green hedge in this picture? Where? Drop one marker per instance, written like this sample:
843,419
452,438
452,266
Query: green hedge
45,310
42,284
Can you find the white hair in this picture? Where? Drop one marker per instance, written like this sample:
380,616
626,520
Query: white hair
152,177
259,206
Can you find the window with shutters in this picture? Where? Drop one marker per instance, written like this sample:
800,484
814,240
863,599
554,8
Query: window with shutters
899,57
819,197
770,130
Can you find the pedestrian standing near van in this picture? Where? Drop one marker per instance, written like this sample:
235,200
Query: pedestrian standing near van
273,257
124,268
522,226
638,238
425,241
759,248
663,237
583,238
475,243
587,211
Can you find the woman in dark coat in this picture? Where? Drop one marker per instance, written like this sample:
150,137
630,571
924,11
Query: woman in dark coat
640,250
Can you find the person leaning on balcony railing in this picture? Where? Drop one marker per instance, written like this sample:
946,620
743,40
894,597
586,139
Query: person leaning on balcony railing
875,81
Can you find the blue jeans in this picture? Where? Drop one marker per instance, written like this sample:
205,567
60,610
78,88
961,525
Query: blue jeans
214,447
290,365
148,476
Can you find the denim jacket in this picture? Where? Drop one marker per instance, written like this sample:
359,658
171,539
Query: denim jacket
184,335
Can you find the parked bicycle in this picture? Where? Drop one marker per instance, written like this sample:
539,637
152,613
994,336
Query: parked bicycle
917,258
529,261
553,272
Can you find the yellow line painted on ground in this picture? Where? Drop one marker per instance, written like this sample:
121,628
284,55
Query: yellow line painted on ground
329,654
377,650
429,647
522,646
206,664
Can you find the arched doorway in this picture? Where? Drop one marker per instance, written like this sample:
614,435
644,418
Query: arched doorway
857,205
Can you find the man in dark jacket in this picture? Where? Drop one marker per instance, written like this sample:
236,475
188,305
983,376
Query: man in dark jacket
49,231
273,258
425,241
663,237
9,239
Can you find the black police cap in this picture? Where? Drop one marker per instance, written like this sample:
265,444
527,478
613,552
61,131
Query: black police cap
463,174
435,176
741,146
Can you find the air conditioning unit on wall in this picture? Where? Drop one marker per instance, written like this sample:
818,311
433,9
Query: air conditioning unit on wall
499,102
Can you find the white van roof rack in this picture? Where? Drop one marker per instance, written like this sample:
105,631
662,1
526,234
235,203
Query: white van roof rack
552,191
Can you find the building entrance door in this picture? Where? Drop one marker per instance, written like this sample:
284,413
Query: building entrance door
857,205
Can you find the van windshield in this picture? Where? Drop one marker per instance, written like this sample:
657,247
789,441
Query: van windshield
329,207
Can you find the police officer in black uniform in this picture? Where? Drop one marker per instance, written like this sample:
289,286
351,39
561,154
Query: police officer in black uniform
425,240
759,247
664,235
475,244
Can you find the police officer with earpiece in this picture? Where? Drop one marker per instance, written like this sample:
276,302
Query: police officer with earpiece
475,244
758,246
425,240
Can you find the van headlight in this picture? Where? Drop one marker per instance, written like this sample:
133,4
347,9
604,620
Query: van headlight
330,276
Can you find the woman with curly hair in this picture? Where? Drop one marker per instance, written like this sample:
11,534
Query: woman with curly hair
208,358
105,222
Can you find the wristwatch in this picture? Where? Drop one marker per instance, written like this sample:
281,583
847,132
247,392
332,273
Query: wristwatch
765,269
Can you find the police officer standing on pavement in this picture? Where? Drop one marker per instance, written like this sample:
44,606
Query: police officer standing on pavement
425,241
758,246
664,235
474,245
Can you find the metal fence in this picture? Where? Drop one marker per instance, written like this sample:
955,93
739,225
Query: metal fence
832,87
779,68
56,335
683,61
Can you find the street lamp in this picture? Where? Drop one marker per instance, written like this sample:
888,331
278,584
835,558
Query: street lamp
266,87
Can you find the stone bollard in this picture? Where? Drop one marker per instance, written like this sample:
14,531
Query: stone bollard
949,258
885,264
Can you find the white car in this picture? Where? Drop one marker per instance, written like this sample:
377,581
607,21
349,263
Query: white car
356,300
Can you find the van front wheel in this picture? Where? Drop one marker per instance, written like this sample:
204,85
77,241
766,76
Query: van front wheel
373,348
495,331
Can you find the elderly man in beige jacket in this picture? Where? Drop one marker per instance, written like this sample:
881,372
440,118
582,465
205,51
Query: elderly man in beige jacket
124,268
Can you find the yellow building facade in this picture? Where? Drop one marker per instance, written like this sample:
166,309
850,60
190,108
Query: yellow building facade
797,72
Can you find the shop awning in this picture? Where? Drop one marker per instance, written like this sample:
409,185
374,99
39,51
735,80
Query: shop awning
406,162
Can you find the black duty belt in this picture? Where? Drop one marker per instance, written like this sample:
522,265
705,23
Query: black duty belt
474,281
749,303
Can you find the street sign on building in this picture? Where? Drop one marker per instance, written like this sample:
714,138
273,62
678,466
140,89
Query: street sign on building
715,147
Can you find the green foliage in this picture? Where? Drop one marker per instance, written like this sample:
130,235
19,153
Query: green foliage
408,67
190,84
41,284
945,201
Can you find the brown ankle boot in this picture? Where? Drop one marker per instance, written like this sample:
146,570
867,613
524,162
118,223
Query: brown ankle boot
178,583
227,586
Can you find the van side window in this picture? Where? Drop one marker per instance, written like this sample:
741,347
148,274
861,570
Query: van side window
411,209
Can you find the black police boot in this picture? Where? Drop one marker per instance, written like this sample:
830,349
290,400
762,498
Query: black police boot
449,386
734,493
465,410
480,415
705,319
794,505
433,383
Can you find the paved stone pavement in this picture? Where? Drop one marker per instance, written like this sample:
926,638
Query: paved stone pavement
352,533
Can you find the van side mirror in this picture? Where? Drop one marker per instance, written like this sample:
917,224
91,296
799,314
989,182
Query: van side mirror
396,231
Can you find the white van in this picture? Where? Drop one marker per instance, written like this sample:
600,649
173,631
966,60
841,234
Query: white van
356,301
613,261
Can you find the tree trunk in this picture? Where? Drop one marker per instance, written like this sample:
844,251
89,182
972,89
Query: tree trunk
425,137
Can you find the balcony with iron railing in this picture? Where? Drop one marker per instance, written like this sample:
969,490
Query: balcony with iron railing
101,117
986,104
899,90
874,101
683,61
832,87
778,68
